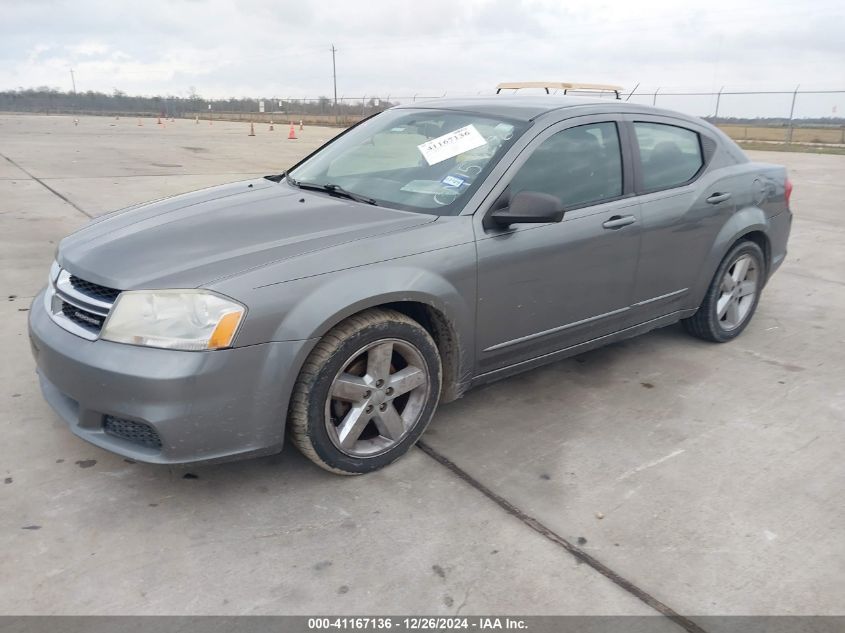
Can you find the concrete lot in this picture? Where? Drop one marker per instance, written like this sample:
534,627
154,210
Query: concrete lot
717,470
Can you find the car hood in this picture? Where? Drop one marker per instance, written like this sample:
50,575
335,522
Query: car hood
192,239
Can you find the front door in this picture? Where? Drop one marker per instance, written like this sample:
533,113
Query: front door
546,287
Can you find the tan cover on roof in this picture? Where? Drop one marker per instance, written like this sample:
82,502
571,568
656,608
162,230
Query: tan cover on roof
557,85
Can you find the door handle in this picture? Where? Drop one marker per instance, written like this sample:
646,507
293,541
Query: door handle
716,198
618,221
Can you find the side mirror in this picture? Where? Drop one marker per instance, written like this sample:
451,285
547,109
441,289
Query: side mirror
528,207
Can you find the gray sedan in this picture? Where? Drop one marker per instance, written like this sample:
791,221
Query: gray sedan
427,250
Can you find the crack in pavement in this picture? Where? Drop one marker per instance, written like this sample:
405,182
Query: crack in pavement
813,277
50,189
555,538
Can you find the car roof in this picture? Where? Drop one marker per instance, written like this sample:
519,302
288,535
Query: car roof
526,107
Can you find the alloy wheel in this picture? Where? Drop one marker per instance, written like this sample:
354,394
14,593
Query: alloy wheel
737,292
377,398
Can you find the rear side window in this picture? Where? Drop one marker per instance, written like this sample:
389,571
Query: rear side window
580,165
670,155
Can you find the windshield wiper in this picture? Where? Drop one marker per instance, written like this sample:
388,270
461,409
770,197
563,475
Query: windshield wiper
331,188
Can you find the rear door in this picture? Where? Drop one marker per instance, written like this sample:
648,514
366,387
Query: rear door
546,287
683,204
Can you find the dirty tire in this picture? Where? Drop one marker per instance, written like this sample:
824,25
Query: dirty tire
307,426
705,323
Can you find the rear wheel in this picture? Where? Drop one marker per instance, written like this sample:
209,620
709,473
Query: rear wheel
732,297
366,393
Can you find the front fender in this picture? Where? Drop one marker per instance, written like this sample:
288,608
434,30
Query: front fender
443,280
352,291
452,314
742,222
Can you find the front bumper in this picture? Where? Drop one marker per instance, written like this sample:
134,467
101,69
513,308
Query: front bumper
204,406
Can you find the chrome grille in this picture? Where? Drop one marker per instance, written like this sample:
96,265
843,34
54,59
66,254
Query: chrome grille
79,306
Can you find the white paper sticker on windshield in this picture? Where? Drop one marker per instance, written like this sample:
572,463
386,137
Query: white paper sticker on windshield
451,144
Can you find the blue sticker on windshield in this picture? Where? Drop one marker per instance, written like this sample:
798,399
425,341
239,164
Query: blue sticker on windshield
453,180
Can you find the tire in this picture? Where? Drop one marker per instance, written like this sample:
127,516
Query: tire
732,296
366,371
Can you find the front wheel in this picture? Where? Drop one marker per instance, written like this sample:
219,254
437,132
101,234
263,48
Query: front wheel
732,297
366,393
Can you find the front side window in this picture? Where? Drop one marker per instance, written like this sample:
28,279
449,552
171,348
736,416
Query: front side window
422,160
580,165
670,155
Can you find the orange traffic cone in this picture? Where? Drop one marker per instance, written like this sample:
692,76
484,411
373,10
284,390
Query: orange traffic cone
251,129
292,133
300,125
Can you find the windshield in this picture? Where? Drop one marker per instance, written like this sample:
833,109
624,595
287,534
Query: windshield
428,161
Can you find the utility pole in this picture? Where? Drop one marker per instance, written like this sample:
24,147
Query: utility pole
791,114
718,100
73,81
334,78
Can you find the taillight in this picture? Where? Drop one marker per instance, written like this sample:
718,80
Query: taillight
787,191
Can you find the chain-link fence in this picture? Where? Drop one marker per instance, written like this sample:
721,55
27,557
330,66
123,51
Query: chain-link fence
791,116
799,116
311,110
808,116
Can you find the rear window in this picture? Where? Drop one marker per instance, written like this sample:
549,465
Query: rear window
669,155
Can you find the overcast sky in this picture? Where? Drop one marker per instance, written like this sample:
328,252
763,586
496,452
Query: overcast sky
428,47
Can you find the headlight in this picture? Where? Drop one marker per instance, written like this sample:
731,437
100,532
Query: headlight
173,319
